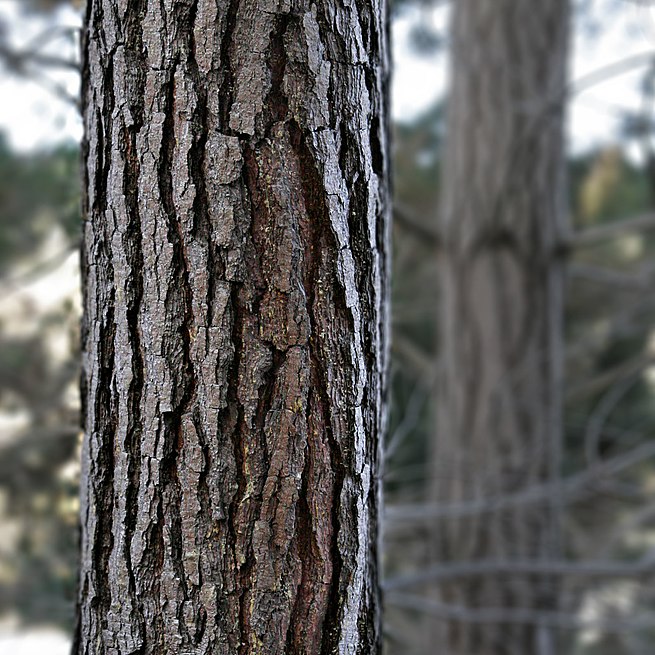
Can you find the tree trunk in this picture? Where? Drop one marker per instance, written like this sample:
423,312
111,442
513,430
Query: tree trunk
499,399
234,326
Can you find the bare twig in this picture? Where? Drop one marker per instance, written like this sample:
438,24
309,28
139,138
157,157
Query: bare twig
595,235
574,488
606,379
418,362
30,62
518,615
51,34
628,281
18,61
421,392
454,570
601,414
405,217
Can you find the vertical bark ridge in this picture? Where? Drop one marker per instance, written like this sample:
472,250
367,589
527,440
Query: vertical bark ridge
234,321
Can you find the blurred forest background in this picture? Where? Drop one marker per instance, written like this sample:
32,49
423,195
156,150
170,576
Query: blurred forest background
604,571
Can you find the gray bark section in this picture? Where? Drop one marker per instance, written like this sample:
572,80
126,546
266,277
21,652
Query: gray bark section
234,268
501,224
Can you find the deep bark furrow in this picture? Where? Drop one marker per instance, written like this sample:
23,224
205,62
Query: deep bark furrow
135,391
104,490
132,246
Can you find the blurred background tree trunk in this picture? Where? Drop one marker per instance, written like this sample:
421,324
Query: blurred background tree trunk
235,282
500,326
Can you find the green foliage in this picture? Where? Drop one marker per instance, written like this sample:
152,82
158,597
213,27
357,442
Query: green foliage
39,194
36,192
417,152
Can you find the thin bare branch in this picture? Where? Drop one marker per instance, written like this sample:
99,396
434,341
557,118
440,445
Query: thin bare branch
596,235
454,570
19,61
574,488
601,414
406,218
514,616
421,392
416,360
608,378
625,281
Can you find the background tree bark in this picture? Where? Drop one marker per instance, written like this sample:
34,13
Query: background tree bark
501,224
234,326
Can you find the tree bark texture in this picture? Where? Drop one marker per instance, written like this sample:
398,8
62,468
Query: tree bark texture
234,267
500,327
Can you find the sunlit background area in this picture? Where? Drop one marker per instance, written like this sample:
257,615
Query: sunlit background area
610,321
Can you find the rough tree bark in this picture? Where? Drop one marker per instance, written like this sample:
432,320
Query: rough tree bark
500,328
234,326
